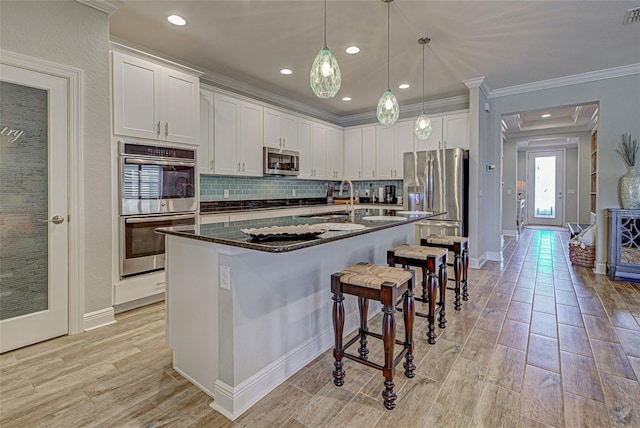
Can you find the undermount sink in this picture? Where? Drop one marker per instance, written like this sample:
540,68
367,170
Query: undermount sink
341,226
328,216
383,218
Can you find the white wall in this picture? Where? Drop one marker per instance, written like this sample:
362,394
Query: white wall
619,99
72,34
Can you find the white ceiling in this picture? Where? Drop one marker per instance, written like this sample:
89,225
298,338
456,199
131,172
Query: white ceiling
508,42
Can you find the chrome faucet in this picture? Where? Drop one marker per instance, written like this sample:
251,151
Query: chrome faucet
351,207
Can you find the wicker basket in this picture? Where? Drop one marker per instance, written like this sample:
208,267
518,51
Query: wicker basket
584,257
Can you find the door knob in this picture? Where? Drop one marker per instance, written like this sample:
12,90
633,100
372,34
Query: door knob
56,219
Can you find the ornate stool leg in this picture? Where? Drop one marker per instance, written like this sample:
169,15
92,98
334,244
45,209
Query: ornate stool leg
431,284
442,279
425,278
408,311
363,307
465,270
388,340
338,327
457,270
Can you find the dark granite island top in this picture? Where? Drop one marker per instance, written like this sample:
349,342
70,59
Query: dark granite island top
231,233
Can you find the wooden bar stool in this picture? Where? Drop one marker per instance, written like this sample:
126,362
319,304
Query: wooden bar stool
459,245
386,285
433,262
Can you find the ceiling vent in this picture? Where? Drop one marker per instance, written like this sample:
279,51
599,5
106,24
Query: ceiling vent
632,15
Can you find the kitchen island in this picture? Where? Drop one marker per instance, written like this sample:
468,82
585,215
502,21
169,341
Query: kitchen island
243,315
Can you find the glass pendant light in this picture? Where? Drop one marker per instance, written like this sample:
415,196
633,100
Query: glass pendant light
388,109
325,75
422,128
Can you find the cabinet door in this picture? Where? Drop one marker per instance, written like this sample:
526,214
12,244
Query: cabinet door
205,146
434,142
353,154
304,148
319,149
385,149
180,95
272,137
226,126
334,153
368,152
136,97
455,131
251,127
404,143
289,131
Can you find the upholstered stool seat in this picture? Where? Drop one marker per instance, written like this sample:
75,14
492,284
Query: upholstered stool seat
459,246
386,285
433,262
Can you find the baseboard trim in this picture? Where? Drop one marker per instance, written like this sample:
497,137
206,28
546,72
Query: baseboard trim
494,256
600,268
510,232
477,262
234,401
99,318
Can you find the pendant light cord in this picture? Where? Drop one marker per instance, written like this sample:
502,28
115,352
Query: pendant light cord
388,67
325,24
423,78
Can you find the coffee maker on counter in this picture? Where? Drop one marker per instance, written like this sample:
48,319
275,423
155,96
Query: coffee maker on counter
390,194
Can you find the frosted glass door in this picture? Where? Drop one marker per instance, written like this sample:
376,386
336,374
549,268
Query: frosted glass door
33,208
546,186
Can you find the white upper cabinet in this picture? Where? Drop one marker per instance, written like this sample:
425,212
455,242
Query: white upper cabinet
455,131
206,146
405,142
369,152
334,152
447,132
319,150
304,149
238,128
154,102
385,152
280,130
353,153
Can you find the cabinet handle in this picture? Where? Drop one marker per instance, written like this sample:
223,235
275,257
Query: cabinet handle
238,167
211,165
243,167
373,173
158,129
391,172
359,174
166,129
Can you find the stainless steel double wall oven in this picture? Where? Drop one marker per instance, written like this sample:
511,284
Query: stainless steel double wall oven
157,189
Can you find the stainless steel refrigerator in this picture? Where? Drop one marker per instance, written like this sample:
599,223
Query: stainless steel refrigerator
438,181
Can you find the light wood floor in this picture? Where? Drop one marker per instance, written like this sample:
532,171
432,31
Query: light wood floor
540,343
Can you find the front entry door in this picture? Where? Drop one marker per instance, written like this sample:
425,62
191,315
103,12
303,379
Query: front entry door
545,180
34,255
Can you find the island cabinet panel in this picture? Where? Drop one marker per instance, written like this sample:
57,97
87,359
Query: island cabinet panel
153,101
242,321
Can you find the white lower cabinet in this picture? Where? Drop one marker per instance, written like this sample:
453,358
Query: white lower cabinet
238,127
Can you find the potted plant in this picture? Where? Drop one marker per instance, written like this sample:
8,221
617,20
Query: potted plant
630,182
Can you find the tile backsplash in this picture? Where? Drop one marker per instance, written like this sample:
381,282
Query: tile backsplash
212,187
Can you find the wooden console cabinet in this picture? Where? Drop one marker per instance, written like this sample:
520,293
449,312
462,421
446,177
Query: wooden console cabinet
624,245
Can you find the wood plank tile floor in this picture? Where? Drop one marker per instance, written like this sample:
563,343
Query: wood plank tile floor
540,343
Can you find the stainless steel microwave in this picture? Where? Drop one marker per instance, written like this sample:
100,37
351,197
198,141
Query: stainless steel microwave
281,162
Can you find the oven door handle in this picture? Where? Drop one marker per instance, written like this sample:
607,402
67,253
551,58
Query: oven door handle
158,218
137,161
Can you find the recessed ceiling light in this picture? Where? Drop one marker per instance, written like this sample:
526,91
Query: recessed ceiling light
546,115
353,50
176,20
346,98
286,71
404,86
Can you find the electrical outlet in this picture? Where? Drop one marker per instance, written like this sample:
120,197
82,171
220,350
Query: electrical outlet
226,193
225,277
293,192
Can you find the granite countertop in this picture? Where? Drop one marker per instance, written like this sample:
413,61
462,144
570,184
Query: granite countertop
231,234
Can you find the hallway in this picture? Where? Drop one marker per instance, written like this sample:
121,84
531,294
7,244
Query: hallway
539,343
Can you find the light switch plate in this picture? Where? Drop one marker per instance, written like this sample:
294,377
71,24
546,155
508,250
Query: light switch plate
226,193
225,277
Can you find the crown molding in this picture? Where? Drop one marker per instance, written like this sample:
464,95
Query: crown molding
592,76
106,6
479,82
407,110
